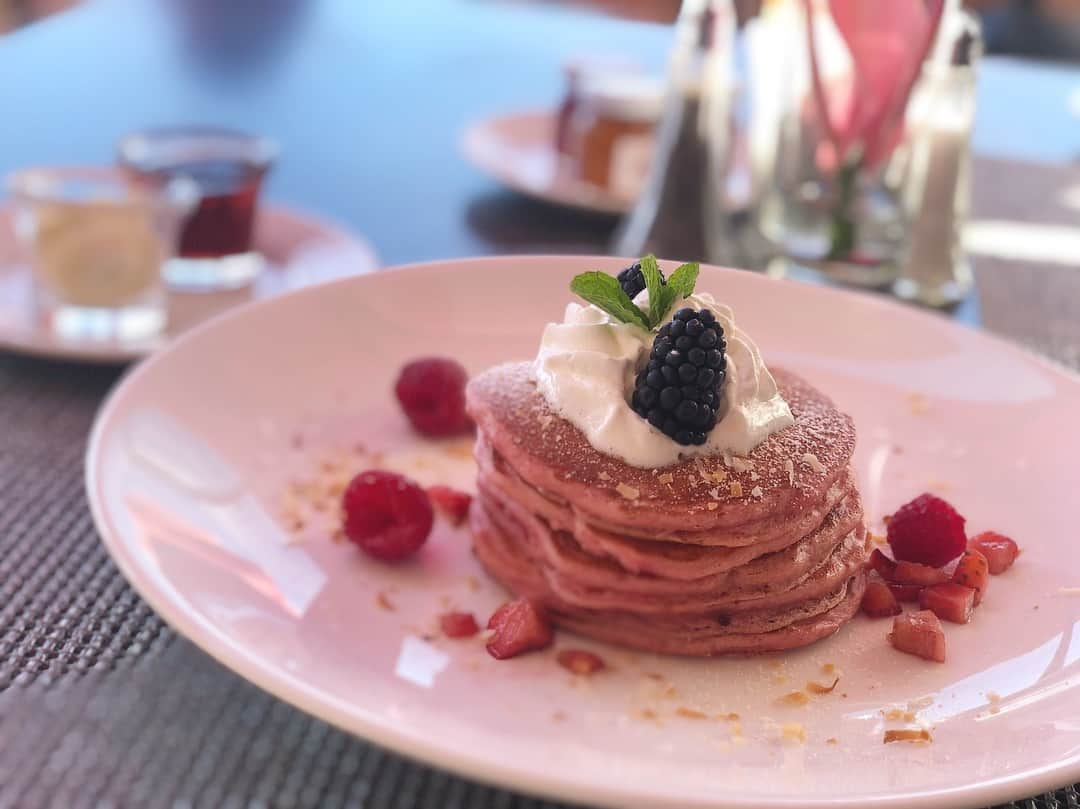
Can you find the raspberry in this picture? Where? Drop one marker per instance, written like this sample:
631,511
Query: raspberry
431,391
678,391
451,503
927,531
633,282
387,515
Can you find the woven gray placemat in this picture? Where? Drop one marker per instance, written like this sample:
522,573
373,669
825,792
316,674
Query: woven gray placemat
101,705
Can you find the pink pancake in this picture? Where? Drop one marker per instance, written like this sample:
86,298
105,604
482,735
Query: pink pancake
504,548
559,551
696,635
707,556
554,457
671,560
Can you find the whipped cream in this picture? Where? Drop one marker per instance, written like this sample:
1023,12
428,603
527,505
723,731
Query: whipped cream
586,368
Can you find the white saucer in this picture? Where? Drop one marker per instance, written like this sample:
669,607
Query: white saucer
299,251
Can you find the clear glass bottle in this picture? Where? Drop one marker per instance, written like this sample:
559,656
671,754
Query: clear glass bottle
835,214
689,165
935,178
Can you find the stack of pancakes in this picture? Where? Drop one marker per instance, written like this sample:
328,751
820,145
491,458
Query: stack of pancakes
707,556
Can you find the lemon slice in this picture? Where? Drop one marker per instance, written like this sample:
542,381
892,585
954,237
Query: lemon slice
97,255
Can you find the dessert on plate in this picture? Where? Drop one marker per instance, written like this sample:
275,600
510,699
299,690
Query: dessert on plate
649,482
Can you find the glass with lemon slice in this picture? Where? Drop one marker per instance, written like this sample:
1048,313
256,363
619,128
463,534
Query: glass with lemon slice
97,242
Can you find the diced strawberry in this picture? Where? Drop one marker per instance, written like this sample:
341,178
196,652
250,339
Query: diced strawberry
999,550
885,567
458,624
878,600
906,572
921,575
973,571
519,627
950,602
919,634
905,592
451,503
580,661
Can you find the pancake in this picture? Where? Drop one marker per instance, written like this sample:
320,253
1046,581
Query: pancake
757,631
508,549
710,555
673,560
786,474
701,639
560,551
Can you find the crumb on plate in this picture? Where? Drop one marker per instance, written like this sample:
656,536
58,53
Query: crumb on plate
917,735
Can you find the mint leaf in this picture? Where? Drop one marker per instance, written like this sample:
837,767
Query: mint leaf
604,292
667,299
682,281
650,270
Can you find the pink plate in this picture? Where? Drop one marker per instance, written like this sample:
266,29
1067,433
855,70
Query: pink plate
518,150
212,474
299,251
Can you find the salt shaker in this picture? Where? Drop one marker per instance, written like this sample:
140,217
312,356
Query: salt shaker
935,188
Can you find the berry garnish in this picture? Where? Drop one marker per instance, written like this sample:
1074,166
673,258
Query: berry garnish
928,531
451,503
458,624
632,280
678,391
949,602
879,601
973,571
387,515
519,627
920,634
999,550
432,394
609,294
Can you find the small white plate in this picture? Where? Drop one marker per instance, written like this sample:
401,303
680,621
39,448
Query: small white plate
192,460
518,150
299,251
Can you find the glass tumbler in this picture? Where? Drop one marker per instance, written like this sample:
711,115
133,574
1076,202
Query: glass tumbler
96,242
216,249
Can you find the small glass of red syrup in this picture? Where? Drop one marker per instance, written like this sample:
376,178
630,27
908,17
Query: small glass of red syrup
216,248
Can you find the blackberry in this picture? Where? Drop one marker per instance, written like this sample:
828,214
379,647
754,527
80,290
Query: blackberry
678,391
633,282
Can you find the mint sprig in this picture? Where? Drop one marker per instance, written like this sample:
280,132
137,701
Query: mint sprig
660,296
683,280
604,292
